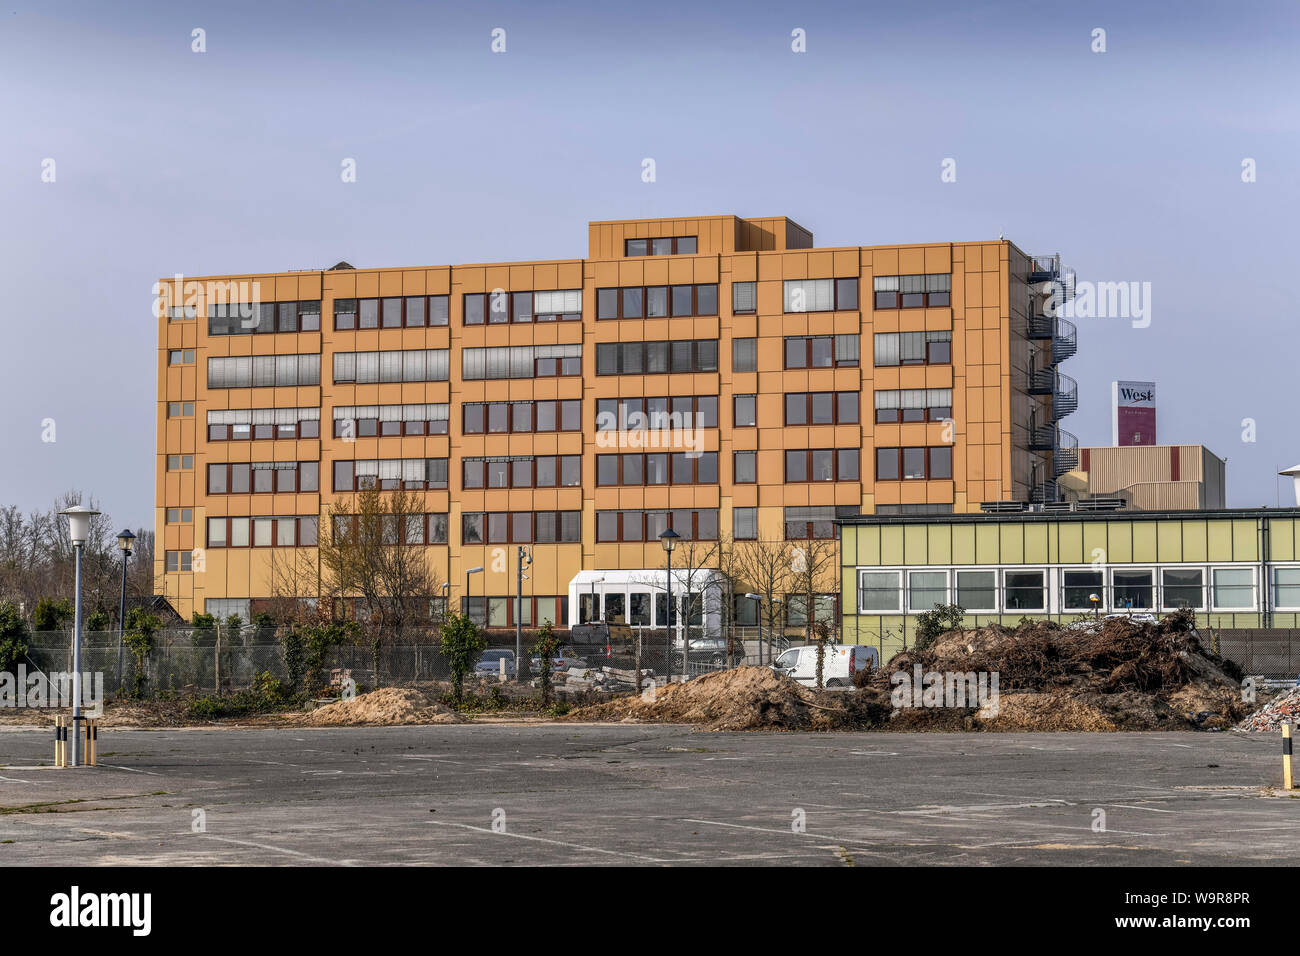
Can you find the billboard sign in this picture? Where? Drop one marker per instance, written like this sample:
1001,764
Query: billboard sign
1133,413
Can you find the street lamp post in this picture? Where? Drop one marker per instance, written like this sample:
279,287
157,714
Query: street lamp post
124,541
78,530
524,560
468,572
595,605
668,538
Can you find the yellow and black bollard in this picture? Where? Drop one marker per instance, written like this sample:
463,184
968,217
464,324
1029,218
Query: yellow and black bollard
1286,758
60,745
92,741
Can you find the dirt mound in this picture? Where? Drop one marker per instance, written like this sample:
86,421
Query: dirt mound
1116,674
744,698
1044,712
382,708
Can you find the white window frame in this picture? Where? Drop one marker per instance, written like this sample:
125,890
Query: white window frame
898,579
1102,607
1025,569
954,588
925,569
1110,586
1272,585
1254,588
1206,584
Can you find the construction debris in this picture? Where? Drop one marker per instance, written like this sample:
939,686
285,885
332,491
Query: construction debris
1271,717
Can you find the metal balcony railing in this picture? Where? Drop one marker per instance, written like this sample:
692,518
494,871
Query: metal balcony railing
1044,268
1065,400
1042,437
1039,326
1065,456
1065,341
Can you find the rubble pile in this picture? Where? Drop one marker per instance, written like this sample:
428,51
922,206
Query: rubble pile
1270,718
614,680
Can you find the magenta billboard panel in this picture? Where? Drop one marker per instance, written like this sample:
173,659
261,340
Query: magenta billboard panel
1133,413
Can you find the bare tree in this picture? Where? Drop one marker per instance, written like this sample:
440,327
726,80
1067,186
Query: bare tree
766,567
369,551
814,570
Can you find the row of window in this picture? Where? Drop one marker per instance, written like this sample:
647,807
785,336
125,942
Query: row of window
276,532
914,405
544,361
410,365
500,306
368,421
656,301
521,527
679,468
247,318
543,471
552,527
521,361
908,464
656,414
701,525
502,417
500,611
666,246
247,424
820,408
653,358
816,464
258,371
391,312
913,292
395,529
821,295
263,477
1065,590
388,474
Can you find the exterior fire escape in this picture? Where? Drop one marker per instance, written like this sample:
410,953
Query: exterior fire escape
1052,340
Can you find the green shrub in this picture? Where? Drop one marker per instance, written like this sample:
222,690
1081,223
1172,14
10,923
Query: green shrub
936,622
98,620
462,646
51,614
13,637
140,629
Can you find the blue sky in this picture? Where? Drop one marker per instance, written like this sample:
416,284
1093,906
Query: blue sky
1128,162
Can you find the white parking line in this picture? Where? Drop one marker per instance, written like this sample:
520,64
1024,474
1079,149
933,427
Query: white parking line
537,839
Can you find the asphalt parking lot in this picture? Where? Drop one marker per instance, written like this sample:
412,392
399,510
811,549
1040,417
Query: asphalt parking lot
645,794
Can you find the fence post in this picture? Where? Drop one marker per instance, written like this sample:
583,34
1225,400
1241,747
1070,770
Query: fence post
216,663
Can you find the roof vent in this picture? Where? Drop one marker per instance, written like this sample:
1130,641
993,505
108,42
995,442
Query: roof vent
344,264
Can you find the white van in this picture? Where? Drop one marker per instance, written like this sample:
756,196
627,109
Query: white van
841,662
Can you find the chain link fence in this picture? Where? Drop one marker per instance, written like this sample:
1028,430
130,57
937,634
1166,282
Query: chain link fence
224,659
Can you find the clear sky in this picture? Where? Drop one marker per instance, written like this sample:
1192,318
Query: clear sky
1128,162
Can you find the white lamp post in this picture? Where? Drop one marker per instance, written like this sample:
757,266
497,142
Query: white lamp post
468,572
669,538
78,530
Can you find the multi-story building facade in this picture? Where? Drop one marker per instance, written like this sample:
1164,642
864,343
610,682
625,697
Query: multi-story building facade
799,384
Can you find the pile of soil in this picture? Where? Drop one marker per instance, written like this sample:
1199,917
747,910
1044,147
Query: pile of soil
1116,674
381,708
744,698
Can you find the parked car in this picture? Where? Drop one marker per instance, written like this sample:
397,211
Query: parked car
704,650
564,658
839,665
489,665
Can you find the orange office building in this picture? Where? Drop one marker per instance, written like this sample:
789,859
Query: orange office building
716,375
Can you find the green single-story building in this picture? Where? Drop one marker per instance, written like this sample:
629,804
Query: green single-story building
1237,568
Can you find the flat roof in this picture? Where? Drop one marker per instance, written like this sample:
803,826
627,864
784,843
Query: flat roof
971,518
